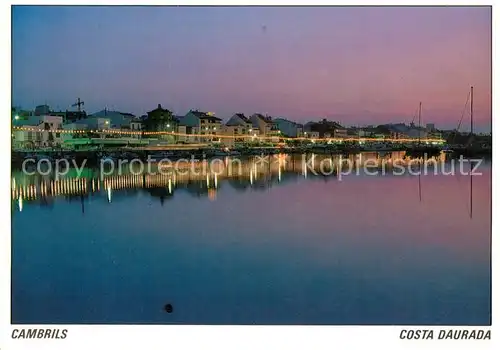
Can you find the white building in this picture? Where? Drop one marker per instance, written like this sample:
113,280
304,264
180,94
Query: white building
136,124
239,129
202,125
264,124
117,120
37,131
81,128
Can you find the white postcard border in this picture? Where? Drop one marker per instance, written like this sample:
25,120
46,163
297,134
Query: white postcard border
228,337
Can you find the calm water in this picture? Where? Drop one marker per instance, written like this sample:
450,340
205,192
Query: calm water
267,247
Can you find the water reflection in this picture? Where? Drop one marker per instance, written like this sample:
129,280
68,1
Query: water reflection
264,246
203,179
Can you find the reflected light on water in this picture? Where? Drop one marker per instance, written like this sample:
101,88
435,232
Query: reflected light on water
278,169
212,194
319,251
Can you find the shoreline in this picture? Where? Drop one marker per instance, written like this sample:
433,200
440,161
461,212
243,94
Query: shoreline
94,156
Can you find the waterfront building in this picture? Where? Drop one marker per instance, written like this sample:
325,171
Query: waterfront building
93,122
24,139
233,135
265,124
326,127
88,132
240,120
37,131
200,124
84,128
401,130
182,131
136,124
116,120
161,120
239,130
289,128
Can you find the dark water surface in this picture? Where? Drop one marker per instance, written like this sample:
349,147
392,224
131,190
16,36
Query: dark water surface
266,247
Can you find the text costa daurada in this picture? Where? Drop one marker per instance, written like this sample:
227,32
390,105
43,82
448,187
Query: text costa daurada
456,334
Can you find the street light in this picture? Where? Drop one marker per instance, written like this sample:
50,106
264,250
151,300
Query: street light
16,117
168,125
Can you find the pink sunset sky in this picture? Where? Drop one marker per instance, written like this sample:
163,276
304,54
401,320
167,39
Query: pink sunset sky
357,65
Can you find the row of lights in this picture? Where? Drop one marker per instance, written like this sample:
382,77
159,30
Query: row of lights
79,186
74,185
109,131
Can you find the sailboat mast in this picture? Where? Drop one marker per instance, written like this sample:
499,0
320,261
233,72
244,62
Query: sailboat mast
471,140
471,110
419,122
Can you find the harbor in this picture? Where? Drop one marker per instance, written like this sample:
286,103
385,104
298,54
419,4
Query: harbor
249,166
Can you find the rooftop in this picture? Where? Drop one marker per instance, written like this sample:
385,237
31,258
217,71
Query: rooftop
265,119
241,116
205,115
159,108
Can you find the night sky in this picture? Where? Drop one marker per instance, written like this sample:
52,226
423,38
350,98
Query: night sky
356,65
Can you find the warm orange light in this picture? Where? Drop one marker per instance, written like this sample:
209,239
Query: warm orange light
352,139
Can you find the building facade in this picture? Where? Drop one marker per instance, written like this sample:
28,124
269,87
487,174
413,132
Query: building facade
326,128
289,128
37,131
239,129
203,126
161,120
